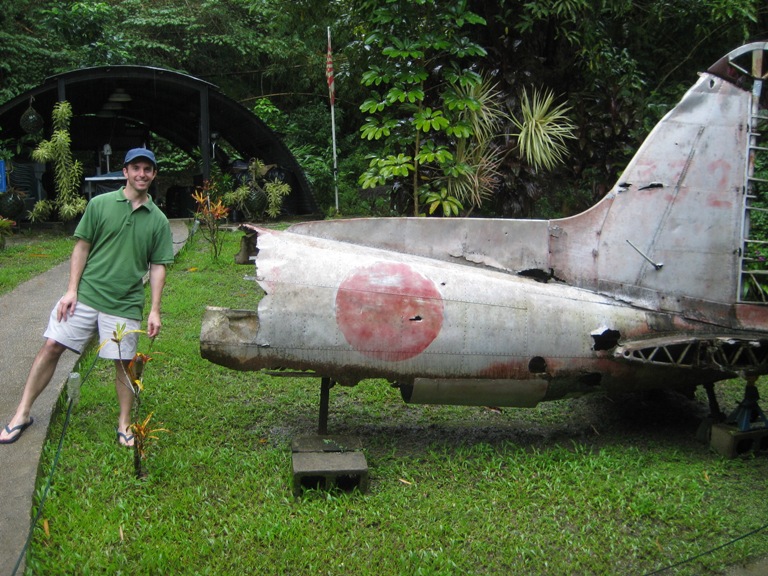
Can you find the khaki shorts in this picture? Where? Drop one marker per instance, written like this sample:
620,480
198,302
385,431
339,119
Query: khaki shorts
77,330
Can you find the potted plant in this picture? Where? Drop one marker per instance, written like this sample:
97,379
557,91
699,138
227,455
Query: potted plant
256,194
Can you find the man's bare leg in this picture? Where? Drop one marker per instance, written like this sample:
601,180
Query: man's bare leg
125,398
40,374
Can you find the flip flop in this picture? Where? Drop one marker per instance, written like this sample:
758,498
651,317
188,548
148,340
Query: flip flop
126,438
20,428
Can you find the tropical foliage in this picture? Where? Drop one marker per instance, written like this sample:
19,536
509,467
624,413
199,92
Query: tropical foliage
68,171
415,105
416,77
210,212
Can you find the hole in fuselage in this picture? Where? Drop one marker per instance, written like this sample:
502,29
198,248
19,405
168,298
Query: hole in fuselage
537,365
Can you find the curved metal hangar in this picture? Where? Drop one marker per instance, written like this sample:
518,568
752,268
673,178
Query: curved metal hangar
123,105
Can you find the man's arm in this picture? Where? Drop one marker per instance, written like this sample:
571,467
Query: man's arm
76,266
156,285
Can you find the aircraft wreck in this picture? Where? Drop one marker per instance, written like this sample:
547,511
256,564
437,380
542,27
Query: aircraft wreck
661,284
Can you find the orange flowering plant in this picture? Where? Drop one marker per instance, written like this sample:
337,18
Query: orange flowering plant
143,433
210,210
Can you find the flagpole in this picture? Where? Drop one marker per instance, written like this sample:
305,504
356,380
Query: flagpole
332,96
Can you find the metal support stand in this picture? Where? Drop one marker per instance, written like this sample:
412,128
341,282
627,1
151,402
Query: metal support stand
748,411
325,394
328,462
715,414
734,436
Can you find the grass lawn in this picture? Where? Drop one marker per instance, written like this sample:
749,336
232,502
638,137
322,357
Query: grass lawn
30,252
582,486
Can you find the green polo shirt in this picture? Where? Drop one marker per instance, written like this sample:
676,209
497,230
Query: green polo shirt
124,242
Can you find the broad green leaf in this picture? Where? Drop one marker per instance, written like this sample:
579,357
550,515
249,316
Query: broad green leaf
374,76
372,105
460,129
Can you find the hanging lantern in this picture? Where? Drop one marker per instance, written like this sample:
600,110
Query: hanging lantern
31,121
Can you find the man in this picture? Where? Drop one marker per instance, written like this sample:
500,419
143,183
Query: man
121,235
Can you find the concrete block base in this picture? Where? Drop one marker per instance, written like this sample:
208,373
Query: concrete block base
329,462
728,441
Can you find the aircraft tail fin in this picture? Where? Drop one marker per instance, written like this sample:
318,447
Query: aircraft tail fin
686,225
685,229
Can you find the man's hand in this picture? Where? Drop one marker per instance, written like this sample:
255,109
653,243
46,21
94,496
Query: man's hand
156,283
153,324
66,306
77,262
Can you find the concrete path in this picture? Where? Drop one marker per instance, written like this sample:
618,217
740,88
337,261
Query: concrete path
23,318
